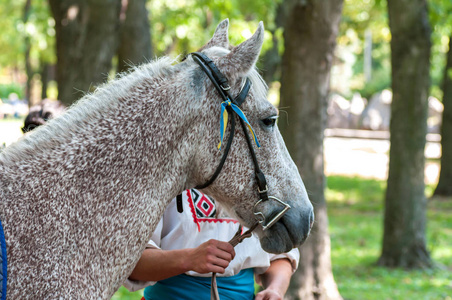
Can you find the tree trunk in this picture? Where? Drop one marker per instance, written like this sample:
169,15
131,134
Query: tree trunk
27,44
271,61
444,187
135,40
405,203
310,38
44,79
86,39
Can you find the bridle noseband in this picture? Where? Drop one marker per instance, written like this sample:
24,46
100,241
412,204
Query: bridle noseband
221,84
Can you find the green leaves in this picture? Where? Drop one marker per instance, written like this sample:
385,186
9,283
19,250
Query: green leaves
38,28
184,26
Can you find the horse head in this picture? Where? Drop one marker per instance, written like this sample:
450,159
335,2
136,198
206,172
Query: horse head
236,186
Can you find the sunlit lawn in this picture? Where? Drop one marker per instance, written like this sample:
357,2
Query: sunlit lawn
355,209
10,130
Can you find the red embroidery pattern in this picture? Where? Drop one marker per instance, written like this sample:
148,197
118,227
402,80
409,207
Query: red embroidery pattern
206,206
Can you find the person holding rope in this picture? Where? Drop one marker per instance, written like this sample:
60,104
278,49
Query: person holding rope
186,248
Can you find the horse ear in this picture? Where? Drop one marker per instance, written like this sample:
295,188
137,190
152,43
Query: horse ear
243,57
220,37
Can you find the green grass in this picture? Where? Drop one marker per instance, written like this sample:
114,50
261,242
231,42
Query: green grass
124,294
355,209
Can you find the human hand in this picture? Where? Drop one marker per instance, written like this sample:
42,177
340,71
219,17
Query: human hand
269,294
211,256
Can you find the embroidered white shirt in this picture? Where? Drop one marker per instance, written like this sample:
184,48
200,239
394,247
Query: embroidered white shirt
201,221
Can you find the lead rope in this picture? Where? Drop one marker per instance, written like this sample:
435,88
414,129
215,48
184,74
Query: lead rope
236,239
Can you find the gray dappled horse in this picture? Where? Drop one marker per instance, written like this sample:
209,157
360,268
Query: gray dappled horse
81,195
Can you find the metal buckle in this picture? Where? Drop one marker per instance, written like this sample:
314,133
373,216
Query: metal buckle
261,218
225,88
264,191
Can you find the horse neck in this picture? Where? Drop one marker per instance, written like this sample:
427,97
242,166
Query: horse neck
149,151
156,158
107,172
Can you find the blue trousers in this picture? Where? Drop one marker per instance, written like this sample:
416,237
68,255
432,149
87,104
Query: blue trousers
238,287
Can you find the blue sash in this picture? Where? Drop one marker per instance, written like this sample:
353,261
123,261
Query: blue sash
3,269
238,287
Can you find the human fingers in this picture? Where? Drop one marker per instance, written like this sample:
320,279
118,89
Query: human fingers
210,257
226,247
225,252
268,295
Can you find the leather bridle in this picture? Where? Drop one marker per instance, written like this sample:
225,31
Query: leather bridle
221,84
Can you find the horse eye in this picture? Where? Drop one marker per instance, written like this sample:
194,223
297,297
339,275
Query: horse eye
270,122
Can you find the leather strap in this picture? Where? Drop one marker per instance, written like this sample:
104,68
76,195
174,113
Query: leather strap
180,207
213,73
219,77
236,239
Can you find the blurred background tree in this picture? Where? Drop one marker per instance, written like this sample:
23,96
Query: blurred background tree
27,43
405,206
310,32
444,187
87,33
441,17
135,36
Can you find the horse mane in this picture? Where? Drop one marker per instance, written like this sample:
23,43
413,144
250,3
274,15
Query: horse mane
90,106
107,96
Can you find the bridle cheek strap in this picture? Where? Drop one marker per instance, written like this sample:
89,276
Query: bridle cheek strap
221,84
231,106
223,89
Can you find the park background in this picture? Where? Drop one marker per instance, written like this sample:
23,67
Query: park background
332,73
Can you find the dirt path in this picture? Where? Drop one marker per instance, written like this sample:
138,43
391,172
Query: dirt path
369,158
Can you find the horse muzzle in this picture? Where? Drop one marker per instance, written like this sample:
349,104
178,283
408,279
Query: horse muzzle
284,226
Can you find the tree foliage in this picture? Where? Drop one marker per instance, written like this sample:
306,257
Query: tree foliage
175,30
39,28
181,26
440,12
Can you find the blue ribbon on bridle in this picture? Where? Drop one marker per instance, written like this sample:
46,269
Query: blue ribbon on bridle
224,121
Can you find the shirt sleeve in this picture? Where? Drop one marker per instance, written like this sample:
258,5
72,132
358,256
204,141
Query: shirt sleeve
293,256
154,243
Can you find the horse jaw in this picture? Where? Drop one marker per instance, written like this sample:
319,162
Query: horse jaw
289,232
